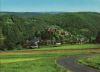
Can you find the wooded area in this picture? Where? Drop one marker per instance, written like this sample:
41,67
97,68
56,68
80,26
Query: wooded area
16,29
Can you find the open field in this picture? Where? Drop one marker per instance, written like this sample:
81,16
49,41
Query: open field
31,62
78,46
39,60
61,47
93,61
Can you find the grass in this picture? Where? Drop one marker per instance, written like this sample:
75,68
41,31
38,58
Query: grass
65,47
38,62
44,62
81,46
41,65
93,61
17,60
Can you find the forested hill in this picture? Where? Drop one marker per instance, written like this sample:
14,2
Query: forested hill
27,14
18,27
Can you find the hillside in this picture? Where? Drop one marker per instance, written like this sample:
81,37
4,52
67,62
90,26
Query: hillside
16,28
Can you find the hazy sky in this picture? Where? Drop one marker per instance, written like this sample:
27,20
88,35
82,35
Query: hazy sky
49,5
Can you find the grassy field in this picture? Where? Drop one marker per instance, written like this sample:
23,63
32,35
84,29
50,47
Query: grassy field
38,62
64,47
93,61
44,62
78,46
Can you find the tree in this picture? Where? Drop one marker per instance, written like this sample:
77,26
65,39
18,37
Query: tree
1,38
98,38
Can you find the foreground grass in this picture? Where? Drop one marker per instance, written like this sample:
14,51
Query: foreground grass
40,65
44,62
39,62
93,61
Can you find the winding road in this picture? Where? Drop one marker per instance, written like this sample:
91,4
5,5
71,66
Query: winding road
71,63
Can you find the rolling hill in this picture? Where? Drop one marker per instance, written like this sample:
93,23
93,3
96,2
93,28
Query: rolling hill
17,27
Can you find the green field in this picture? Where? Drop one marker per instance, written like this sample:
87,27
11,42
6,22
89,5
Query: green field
76,46
44,62
63,47
38,62
93,61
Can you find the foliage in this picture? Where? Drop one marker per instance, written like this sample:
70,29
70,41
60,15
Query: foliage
15,28
98,38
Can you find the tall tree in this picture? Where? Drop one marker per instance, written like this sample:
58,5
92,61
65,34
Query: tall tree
98,38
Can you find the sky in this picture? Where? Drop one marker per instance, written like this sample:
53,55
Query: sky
50,5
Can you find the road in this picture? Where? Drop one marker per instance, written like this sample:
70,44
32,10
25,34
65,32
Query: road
71,63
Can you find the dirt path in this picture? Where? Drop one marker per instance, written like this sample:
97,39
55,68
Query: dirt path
47,51
71,63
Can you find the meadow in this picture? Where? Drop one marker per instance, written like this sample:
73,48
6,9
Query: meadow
38,62
45,62
70,46
60,47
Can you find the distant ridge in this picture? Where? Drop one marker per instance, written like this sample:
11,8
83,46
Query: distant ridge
30,14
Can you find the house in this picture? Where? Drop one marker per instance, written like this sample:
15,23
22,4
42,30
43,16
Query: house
33,43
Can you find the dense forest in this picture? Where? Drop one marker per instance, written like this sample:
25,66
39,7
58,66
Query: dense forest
69,28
